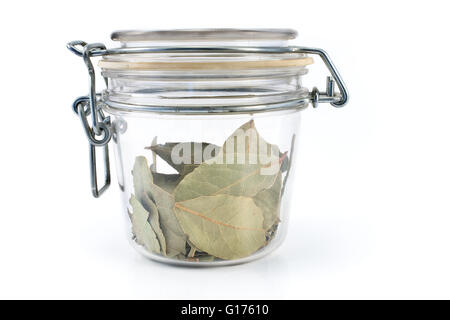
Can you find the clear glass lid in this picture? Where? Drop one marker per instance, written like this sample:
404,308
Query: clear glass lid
260,37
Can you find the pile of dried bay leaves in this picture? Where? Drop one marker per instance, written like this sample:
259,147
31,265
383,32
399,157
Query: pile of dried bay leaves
213,210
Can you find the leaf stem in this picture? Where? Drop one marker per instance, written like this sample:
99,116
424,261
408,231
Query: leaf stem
192,252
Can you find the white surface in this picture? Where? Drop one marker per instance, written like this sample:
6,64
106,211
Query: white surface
372,216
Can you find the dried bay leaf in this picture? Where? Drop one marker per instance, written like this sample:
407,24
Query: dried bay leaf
245,145
174,235
214,179
238,178
141,227
197,153
168,182
268,201
227,227
149,193
216,209
142,179
154,223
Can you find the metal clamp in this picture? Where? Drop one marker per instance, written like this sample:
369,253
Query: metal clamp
98,132
329,96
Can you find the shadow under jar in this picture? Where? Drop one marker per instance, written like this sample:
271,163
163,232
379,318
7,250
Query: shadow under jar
204,126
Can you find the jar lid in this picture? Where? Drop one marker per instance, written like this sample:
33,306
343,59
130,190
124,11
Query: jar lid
203,35
206,71
204,49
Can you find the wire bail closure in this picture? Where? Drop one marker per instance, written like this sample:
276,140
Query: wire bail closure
99,132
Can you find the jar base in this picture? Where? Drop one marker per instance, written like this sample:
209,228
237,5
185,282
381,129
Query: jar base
160,259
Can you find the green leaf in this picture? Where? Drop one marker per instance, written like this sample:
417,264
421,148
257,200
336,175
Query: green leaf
247,140
224,226
268,201
248,173
150,206
193,154
142,179
215,179
147,192
168,182
226,207
141,228
175,238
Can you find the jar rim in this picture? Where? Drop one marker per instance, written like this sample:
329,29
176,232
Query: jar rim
114,107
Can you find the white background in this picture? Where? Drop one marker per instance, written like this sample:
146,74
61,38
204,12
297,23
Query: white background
371,218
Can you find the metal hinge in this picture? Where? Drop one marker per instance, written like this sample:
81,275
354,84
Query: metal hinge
98,132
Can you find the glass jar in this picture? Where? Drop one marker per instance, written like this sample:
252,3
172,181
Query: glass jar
203,123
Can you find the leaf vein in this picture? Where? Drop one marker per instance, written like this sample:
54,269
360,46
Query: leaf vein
179,206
